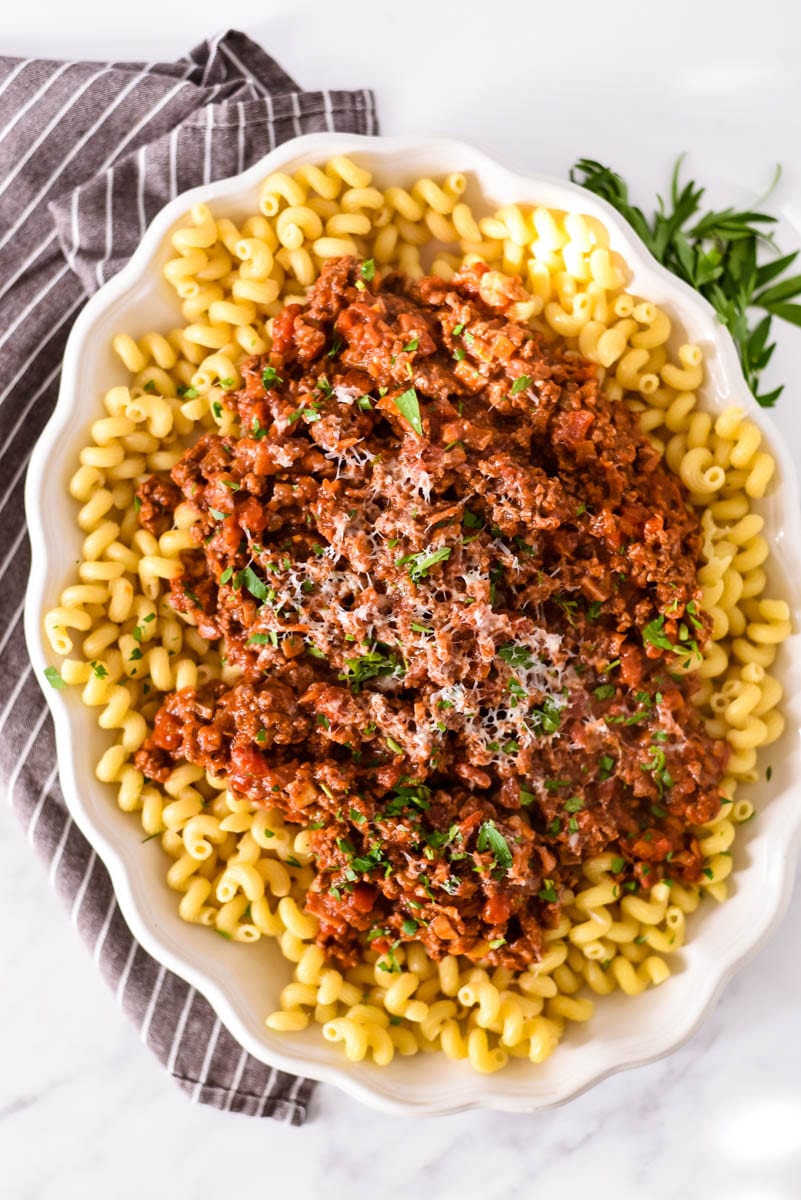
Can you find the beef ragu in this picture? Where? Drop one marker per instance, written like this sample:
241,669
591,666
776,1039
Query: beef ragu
461,590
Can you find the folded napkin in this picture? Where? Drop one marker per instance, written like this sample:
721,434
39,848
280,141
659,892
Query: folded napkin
89,152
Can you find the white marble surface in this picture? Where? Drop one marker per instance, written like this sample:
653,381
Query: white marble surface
84,1110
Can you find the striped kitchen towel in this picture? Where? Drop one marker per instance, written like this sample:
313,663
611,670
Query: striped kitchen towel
89,152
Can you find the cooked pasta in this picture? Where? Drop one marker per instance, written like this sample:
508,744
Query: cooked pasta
240,869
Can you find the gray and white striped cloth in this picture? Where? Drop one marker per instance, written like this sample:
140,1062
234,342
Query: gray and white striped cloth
89,152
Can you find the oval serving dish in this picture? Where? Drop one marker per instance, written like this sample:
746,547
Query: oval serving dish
242,982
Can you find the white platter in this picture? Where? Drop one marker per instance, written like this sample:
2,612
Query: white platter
242,982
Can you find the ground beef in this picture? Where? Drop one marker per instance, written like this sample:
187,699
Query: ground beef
156,500
460,587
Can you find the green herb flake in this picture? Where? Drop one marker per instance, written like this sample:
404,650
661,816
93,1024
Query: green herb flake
270,377
490,839
618,864
418,565
367,270
408,406
520,384
548,892
256,586
53,677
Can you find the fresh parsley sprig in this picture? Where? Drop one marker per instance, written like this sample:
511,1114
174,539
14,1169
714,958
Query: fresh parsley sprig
717,253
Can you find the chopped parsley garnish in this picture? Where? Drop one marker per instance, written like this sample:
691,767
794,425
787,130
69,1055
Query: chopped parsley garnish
520,384
408,406
257,431
99,670
188,393
323,720
574,804
408,794
54,678
618,864
604,692
526,798
216,408
418,565
491,840
270,376
367,270
394,746
548,717
516,655
656,765
259,639
256,586
548,892
594,610
218,516
409,926
378,661
607,765
555,827
311,414
412,344
226,575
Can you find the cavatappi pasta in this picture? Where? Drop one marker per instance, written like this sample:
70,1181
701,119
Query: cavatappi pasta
242,871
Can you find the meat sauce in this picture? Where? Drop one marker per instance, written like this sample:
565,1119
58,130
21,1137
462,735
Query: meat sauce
461,590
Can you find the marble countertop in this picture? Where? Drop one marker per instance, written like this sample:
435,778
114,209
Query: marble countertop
84,1109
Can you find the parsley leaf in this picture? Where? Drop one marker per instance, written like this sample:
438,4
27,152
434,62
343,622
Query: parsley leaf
418,565
408,406
490,839
53,677
380,660
270,376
